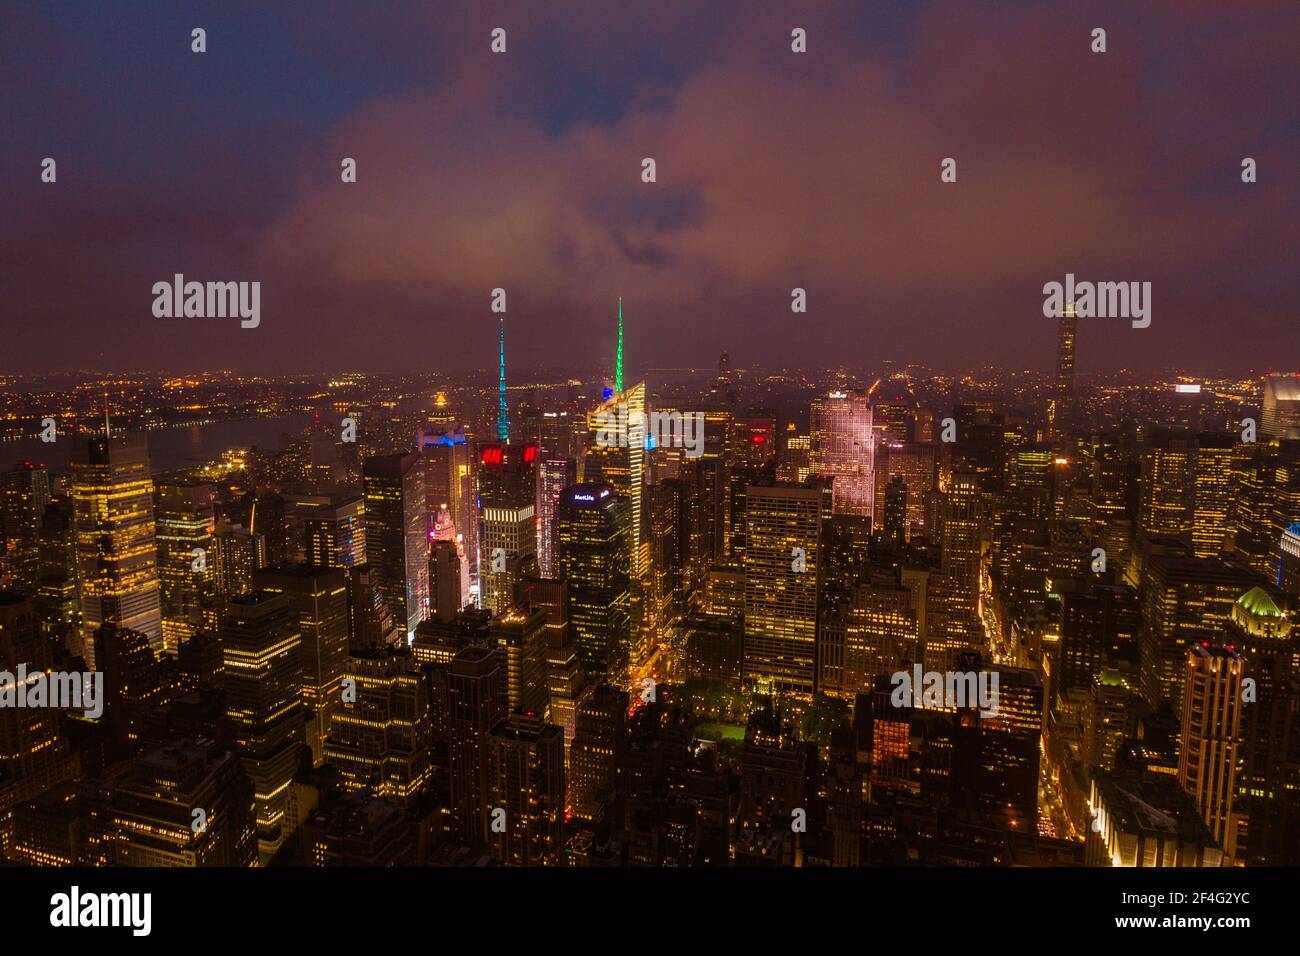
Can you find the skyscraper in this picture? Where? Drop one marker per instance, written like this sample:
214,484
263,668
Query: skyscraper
593,559
186,565
318,596
525,777
396,536
554,475
1167,484
1212,494
782,567
1281,418
616,457
1211,737
507,493
843,448
112,498
260,641
474,708
1060,407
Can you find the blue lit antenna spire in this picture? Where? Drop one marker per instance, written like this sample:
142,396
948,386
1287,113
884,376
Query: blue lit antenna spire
503,423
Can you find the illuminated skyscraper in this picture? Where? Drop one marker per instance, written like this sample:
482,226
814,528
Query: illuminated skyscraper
1281,418
24,493
1060,408
1168,483
616,457
507,496
503,417
593,559
112,497
1211,737
396,536
519,637
334,531
380,738
319,598
1212,494
186,563
554,475
260,641
842,447
782,567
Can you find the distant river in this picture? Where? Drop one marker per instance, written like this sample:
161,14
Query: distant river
172,448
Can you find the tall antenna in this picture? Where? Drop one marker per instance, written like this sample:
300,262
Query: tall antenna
618,360
107,433
503,423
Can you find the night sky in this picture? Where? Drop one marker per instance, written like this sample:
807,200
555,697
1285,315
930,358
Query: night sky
522,170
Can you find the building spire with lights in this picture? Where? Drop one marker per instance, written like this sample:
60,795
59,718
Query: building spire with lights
618,359
503,423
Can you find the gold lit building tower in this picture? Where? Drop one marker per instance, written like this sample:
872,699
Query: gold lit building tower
113,517
616,457
782,570
187,564
1211,737
1168,480
1212,494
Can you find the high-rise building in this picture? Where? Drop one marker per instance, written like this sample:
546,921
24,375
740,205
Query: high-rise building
782,567
33,756
1060,408
474,708
260,641
1265,637
24,493
1211,738
842,447
1212,494
319,598
553,476
112,499
507,537
594,560
381,737
1186,601
1281,418
186,565
598,741
444,580
519,637
1167,484
525,778
397,526
153,809
334,531
616,457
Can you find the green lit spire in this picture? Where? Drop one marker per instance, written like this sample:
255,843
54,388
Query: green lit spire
618,360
